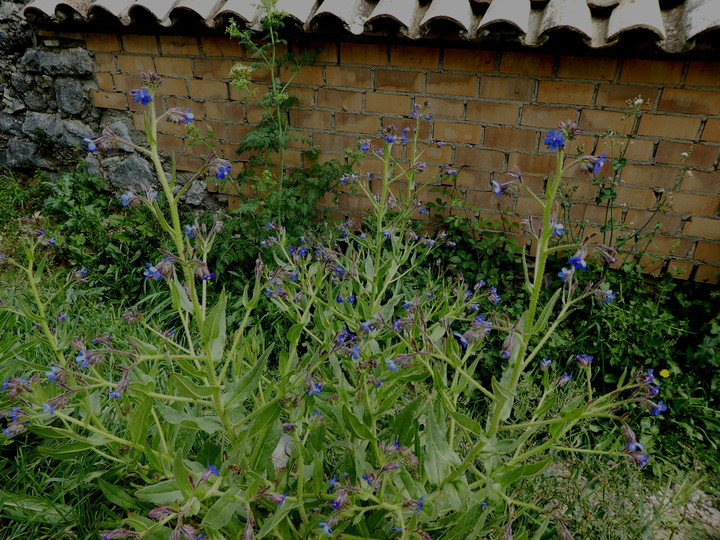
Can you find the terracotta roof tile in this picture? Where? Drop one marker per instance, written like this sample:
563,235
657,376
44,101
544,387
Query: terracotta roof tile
674,26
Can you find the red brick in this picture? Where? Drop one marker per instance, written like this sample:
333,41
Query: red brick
102,42
445,108
486,200
672,127
254,113
110,100
311,119
639,150
125,83
454,132
474,62
668,245
598,214
691,203
669,224
180,45
706,182
236,132
173,87
651,71
636,197
711,131
708,274
312,75
340,100
174,67
452,84
698,155
492,113
523,63
105,81
208,89
135,64
680,269
651,264
546,117
526,206
224,110
354,203
703,74
334,142
327,52
600,121
211,69
516,139
583,67
506,88
689,101
650,175
565,92
705,251
543,164
398,81
188,163
439,155
385,103
479,158
105,62
356,123
220,46
366,54
617,95
348,77
170,143
135,43
414,57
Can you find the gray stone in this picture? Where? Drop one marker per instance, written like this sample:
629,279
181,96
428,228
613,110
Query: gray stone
121,129
68,132
35,101
20,82
67,62
70,94
93,165
23,154
195,195
131,171
9,124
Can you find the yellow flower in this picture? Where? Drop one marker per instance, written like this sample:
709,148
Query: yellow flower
664,373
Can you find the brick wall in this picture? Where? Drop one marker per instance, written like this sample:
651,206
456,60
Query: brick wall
492,108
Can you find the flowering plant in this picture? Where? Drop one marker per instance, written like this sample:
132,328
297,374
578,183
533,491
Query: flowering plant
358,422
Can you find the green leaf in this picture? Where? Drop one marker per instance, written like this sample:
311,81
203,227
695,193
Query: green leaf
66,451
439,457
355,425
162,493
213,331
179,296
544,316
265,416
468,423
117,495
188,388
38,509
181,474
222,512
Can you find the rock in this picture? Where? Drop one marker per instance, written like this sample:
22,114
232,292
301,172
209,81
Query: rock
70,95
35,101
67,62
195,195
9,124
131,171
121,129
68,132
23,154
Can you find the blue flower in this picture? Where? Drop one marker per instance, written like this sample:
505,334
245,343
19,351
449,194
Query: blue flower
355,352
141,96
392,366
564,379
91,146
332,482
605,295
493,296
365,146
386,234
461,340
418,504
213,469
48,409
189,230
350,299
554,140
222,171
115,394
389,138
83,358
152,273
53,373
127,197
62,317
316,389
599,163
558,229
325,527
584,360
545,364
658,408
339,299
578,259
13,414
564,274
